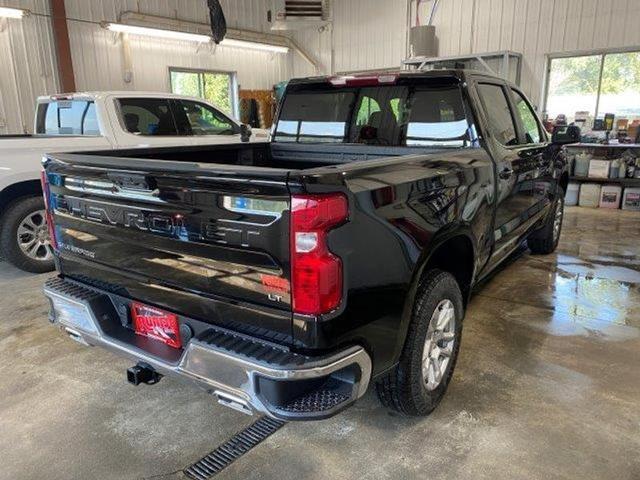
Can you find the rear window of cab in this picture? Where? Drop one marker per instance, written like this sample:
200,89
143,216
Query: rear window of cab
67,117
425,115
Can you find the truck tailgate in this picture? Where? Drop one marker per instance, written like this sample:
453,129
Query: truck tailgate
209,241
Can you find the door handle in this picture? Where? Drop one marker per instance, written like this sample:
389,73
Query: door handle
506,173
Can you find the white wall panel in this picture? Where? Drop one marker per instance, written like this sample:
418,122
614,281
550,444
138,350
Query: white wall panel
369,34
27,56
365,34
99,62
535,28
98,55
27,65
245,14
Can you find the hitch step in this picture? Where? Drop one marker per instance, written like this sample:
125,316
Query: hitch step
232,449
142,373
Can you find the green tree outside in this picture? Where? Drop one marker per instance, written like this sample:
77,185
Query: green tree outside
213,87
579,75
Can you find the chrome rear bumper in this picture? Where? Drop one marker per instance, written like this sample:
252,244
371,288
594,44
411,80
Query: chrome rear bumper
242,372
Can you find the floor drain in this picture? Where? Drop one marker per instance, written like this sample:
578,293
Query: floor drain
232,449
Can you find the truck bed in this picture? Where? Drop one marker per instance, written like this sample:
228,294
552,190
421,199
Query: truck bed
204,231
294,156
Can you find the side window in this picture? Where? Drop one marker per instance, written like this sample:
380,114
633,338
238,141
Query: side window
528,118
147,116
205,120
68,117
498,113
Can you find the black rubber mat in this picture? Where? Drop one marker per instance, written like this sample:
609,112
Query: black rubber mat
232,449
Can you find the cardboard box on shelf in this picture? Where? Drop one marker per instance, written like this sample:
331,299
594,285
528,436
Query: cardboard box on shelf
599,168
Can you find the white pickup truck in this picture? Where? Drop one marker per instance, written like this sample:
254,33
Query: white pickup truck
93,121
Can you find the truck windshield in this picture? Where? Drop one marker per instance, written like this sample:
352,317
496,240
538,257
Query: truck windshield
67,117
393,115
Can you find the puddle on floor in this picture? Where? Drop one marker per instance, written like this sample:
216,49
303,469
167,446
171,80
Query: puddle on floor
605,288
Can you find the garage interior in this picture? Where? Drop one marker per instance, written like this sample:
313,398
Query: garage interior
547,383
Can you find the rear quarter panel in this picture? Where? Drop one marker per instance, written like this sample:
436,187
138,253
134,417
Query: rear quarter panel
399,210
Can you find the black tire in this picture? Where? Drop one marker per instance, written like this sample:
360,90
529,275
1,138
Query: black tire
545,240
404,388
11,220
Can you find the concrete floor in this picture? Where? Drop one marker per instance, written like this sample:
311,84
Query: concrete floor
547,386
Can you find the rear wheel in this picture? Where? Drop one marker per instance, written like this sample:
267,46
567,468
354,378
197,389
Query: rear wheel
416,386
24,238
546,239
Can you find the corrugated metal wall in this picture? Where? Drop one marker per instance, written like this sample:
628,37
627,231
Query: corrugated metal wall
27,57
27,65
98,59
369,34
365,34
535,28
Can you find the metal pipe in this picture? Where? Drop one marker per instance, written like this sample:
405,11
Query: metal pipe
434,6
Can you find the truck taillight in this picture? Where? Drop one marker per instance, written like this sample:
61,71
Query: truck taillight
316,273
47,209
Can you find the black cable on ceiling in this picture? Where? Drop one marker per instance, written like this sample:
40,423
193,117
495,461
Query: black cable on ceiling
218,22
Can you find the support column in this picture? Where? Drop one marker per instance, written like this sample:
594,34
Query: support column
63,46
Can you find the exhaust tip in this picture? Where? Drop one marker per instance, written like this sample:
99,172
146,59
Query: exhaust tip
142,373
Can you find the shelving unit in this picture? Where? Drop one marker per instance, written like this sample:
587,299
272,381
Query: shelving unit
606,152
602,146
625,182
504,63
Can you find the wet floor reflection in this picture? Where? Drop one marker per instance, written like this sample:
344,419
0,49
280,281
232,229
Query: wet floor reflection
594,278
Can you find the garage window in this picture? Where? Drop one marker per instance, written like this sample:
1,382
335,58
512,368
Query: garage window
594,85
219,88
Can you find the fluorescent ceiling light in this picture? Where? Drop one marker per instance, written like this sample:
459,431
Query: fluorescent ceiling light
265,47
7,12
157,32
193,37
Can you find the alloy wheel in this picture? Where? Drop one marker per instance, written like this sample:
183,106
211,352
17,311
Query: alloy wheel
33,237
439,344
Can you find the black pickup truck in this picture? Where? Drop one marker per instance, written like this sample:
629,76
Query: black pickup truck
287,277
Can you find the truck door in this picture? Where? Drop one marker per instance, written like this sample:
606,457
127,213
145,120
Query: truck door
515,169
534,145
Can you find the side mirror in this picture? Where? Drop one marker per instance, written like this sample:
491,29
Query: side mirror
564,134
245,132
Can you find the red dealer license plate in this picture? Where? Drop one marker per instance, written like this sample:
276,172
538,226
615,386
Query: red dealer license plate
154,323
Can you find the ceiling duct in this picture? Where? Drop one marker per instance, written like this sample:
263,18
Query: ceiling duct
308,9
299,14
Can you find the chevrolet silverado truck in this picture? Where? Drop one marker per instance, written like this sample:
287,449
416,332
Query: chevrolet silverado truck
287,277
90,121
